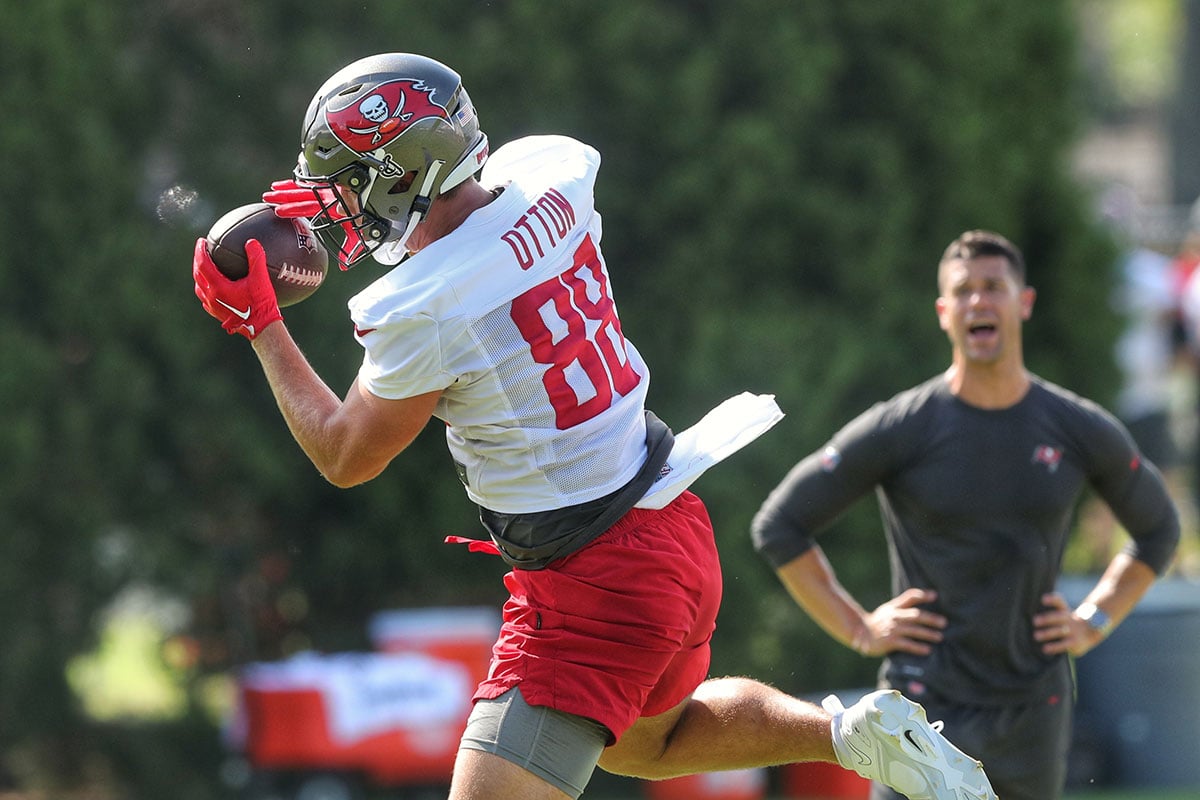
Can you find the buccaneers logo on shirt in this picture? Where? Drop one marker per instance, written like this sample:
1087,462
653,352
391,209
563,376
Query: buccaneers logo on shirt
384,114
1045,454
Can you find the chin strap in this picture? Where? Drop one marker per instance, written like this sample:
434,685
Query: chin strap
393,252
390,254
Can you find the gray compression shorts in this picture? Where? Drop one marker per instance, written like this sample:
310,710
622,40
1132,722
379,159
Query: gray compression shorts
559,748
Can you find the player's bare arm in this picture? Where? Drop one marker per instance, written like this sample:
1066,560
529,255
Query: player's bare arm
1062,629
349,440
899,625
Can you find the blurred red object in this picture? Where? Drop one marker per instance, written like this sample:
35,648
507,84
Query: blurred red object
818,780
740,784
395,717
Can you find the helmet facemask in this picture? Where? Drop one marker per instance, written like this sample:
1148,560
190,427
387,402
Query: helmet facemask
346,224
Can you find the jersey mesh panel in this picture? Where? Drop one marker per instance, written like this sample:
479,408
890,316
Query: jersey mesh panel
564,460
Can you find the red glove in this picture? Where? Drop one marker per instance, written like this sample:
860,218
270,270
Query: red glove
247,305
292,199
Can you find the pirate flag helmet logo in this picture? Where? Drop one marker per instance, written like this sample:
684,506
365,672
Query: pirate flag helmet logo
388,111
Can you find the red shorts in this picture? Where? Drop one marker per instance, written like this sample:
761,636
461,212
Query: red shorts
620,629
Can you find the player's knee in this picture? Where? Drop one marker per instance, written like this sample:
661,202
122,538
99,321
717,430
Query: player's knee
641,751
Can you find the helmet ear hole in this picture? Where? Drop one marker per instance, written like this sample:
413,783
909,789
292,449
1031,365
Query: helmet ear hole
404,183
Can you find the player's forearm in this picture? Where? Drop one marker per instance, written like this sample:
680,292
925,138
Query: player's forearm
811,582
308,405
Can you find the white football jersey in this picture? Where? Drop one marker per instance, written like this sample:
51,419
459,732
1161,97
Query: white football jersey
512,316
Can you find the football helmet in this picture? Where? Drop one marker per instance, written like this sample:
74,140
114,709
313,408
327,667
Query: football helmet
382,138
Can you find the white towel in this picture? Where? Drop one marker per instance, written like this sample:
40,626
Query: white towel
726,429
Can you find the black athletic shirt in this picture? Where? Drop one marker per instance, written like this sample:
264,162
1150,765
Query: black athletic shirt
976,505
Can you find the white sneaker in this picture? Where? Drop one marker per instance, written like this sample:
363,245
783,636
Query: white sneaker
885,737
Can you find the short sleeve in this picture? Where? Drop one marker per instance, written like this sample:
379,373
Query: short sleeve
403,358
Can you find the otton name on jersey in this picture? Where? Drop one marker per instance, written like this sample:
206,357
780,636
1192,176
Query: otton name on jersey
541,228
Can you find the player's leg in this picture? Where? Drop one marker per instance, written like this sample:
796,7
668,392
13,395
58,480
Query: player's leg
484,776
727,723
733,723
511,749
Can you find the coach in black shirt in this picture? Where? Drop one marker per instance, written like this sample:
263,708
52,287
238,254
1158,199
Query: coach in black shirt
977,472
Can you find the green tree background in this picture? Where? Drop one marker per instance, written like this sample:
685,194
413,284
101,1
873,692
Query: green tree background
779,180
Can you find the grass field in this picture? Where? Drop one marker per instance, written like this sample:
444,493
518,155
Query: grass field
1144,794
1096,794
1106,794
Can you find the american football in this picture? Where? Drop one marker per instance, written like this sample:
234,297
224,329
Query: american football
296,260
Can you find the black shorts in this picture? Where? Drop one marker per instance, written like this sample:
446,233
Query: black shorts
1023,748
